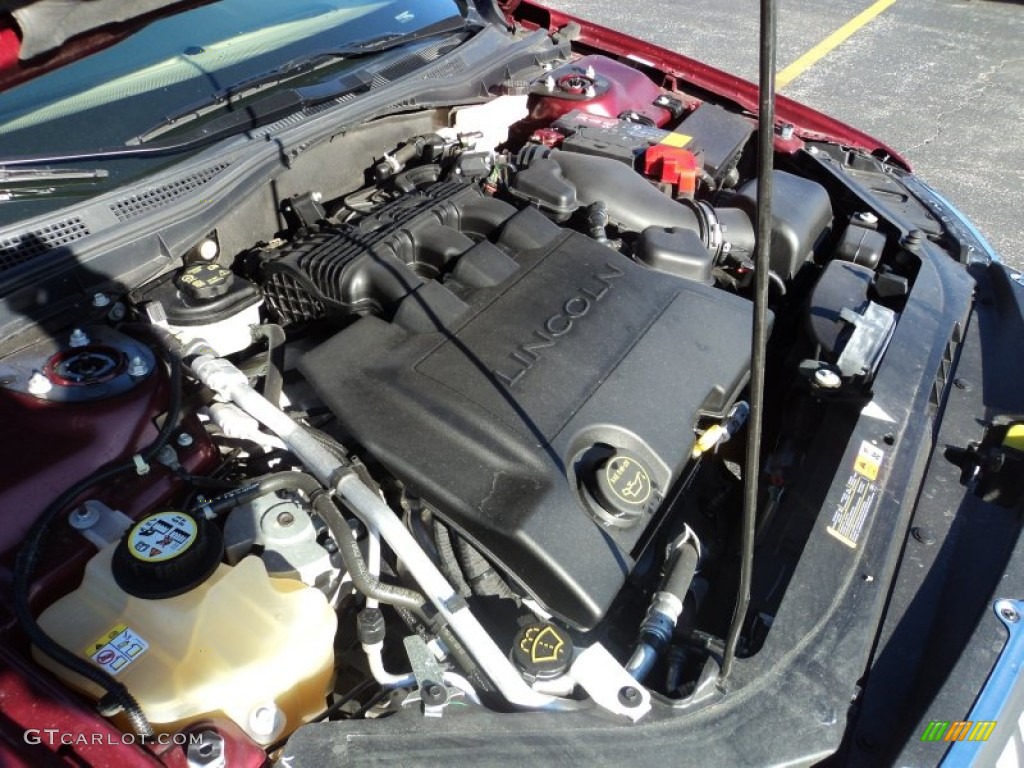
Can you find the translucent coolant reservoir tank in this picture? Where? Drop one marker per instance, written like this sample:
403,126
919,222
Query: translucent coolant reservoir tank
191,637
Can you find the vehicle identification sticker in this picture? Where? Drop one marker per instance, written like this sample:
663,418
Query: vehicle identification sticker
117,649
859,495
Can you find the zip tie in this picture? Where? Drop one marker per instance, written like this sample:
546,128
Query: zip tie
141,467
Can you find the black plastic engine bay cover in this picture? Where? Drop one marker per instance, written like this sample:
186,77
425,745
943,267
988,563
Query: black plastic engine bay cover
581,362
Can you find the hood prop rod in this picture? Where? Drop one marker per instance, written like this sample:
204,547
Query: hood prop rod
751,472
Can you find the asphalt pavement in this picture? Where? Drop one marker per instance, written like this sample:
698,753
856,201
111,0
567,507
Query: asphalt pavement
940,81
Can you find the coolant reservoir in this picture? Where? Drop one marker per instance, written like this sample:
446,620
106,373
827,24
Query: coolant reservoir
191,637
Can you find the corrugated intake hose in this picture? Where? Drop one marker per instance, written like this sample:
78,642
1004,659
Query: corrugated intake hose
482,577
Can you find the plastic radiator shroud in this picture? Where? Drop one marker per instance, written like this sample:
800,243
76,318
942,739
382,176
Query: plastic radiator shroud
496,394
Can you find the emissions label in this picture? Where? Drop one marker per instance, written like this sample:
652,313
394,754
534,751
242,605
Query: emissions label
162,536
116,649
858,497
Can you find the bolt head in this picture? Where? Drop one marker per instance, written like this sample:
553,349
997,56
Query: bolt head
433,693
285,519
786,131
826,378
184,440
38,384
78,338
100,300
137,367
922,535
867,217
630,696
1009,613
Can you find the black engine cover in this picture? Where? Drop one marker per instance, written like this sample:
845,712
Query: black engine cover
501,417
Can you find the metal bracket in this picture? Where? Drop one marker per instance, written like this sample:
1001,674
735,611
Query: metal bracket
609,684
432,692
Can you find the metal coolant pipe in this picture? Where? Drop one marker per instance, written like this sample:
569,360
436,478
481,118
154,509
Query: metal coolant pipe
226,380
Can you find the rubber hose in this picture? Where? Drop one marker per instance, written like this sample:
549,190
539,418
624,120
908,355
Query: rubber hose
340,453
298,481
293,481
389,594
401,598
680,576
29,554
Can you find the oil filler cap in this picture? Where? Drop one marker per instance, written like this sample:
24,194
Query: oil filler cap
622,486
167,554
542,651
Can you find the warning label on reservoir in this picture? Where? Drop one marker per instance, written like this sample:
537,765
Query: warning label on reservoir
858,497
117,649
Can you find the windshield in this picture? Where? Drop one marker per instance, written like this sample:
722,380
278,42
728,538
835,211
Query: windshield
113,95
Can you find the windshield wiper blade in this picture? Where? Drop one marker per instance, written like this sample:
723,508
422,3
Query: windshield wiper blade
269,109
225,98
36,181
45,174
253,114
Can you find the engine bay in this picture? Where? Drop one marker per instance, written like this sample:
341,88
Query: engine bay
464,425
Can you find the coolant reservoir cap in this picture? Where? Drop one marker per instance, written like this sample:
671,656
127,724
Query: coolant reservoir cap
542,650
623,485
203,282
167,554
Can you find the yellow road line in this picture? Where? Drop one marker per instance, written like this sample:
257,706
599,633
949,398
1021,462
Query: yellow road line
822,49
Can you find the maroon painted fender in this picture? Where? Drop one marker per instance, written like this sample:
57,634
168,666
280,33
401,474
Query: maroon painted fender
809,124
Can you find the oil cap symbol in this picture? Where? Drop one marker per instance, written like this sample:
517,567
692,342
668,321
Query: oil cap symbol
623,485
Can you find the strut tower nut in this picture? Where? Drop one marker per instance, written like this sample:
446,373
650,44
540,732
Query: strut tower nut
78,338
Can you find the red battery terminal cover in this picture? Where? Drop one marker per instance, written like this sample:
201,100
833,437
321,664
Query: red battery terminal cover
673,165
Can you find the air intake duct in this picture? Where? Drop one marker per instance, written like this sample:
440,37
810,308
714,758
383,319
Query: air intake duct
563,181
